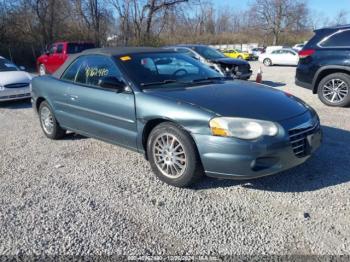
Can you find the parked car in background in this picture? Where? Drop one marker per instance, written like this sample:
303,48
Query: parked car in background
226,66
298,47
182,115
234,53
57,53
14,82
284,56
324,65
256,52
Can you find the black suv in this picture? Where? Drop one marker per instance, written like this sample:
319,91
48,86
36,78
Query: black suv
324,65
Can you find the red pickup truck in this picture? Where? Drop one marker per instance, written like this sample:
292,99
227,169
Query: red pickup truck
57,53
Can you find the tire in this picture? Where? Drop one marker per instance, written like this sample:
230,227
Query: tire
267,62
188,170
240,57
48,122
42,70
334,90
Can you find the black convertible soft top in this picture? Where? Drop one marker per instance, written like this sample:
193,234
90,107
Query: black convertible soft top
108,51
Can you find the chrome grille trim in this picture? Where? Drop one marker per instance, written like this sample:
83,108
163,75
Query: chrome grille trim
298,139
17,85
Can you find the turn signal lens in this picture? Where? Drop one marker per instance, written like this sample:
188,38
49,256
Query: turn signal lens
217,128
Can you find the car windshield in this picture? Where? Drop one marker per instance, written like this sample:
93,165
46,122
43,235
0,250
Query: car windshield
164,70
74,48
6,65
208,52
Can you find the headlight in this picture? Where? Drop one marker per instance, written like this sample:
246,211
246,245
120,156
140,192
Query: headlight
242,128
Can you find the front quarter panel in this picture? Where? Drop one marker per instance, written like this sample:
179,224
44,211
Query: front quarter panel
150,107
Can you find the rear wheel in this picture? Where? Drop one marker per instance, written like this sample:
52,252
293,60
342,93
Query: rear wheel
267,62
240,57
49,123
334,90
42,70
172,155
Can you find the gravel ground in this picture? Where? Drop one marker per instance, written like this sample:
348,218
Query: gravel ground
80,196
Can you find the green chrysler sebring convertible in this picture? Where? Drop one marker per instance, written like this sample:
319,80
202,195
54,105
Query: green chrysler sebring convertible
182,115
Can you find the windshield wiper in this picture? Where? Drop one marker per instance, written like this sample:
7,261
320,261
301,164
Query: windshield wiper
168,81
210,79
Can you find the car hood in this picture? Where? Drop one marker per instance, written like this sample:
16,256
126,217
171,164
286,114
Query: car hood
229,61
14,77
238,99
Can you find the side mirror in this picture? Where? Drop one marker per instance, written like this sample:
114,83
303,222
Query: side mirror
47,52
113,83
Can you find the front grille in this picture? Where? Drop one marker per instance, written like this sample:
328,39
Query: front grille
17,85
15,96
298,139
243,69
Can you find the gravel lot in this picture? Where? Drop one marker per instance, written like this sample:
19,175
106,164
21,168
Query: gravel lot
80,196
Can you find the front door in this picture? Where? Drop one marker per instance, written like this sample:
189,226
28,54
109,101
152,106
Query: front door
95,111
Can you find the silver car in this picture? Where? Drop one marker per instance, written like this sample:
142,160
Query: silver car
14,83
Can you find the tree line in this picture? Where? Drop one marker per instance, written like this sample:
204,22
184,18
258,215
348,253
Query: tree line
27,26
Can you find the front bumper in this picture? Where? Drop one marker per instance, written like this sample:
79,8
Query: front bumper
238,159
244,76
9,94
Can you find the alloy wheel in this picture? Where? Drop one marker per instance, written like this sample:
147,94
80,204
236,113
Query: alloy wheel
267,62
335,90
169,155
47,121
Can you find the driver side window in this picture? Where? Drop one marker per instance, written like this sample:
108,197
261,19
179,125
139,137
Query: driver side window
52,49
94,69
88,70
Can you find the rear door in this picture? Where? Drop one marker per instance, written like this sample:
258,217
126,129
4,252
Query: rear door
291,57
99,112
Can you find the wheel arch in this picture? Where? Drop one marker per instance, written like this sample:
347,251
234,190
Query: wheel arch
152,123
325,71
38,101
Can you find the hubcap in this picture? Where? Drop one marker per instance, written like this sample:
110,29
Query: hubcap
46,120
169,155
335,90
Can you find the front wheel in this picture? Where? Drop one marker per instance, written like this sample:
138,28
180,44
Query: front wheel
334,90
173,156
267,62
49,123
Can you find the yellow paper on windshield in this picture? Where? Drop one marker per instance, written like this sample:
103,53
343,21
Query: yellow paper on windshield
125,58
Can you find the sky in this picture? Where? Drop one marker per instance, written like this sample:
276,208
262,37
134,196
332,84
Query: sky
328,8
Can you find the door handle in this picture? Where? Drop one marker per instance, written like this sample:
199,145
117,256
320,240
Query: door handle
73,97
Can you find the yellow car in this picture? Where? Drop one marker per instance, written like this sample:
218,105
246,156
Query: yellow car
233,53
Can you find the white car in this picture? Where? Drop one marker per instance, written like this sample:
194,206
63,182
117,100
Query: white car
14,83
282,56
